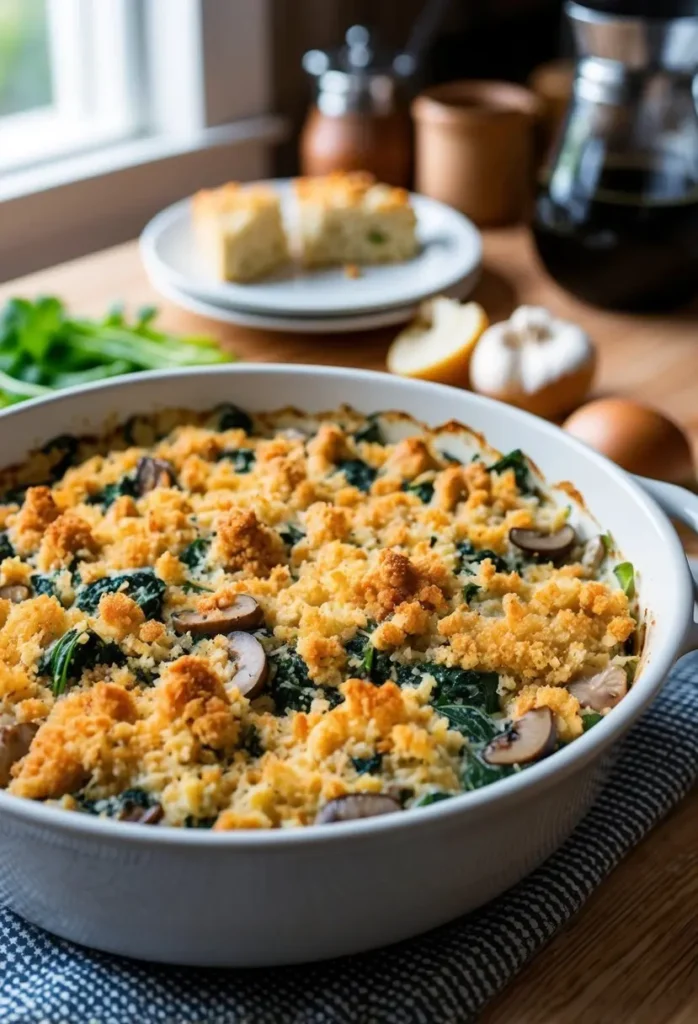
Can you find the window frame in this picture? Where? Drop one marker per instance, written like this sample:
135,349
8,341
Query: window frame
203,89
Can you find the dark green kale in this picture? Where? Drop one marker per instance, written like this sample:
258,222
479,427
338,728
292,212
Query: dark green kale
252,742
469,591
107,497
469,558
194,554
371,431
424,491
463,686
515,460
120,806
191,822
478,773
291,686
290,534
71,654
44,584
432,798
358,473
475,725
6,549
367,662
61,451
141,585
367,765
15,496
451,458
144,676
230,417
243,459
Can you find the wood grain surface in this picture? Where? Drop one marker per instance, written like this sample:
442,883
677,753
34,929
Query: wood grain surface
631,957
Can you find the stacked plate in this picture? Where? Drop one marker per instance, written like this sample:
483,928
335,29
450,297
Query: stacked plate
317,301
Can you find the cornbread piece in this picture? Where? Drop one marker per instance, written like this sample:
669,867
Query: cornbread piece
350,219
240,231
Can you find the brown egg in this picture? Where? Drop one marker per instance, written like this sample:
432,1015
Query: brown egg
638,438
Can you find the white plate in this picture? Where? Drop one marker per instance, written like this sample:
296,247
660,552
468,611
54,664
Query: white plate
298,325
450,249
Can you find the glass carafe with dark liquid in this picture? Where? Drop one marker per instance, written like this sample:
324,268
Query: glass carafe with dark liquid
616,218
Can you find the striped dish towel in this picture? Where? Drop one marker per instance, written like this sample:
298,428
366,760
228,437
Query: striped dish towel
445,977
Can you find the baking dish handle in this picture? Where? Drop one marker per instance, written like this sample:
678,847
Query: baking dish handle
681,504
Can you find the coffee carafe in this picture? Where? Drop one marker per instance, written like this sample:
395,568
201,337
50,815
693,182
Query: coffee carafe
616,216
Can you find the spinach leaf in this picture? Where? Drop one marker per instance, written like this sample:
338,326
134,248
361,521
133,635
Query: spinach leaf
243,459
515,460
291,686
625,574
463,686
590,720
424,491
368,663
470,722
368,765
469,558
478,773
291,534
252,742
432,798
358,473
44,584
6,549
118,806
194,554
107,497
191,822
370,432
230,417
74,652
469,591
142,585
62,451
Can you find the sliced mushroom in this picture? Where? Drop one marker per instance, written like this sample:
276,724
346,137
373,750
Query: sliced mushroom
15,741
552,545
243,613
142,815
152,473
594,553
529,738
356,805
15,592
601,691
252,665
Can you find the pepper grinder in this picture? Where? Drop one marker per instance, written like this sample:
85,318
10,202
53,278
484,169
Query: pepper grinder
359,120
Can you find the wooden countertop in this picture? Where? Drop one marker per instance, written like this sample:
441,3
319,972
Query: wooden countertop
630,957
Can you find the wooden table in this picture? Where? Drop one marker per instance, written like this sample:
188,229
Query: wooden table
632,955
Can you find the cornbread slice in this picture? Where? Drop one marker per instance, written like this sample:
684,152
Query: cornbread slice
240,231
349,218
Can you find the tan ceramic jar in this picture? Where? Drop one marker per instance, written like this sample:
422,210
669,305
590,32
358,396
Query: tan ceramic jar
476,148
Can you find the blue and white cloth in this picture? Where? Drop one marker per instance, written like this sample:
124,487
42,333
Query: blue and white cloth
446,976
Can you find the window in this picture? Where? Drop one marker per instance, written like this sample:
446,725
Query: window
67,82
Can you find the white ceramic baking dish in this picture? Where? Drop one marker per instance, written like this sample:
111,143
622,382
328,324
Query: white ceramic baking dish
253,898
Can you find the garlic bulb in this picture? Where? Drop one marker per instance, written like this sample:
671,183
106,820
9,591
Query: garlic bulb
535,361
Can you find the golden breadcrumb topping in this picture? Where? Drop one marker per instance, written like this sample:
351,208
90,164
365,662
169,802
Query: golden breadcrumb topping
224,621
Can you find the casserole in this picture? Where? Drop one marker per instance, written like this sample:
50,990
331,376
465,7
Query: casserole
288,896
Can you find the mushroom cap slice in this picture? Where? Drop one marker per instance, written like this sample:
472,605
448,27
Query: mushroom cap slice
243,613
15,592
594,553
553,545
152,473
15,741
252,665
601,691
142,815
353,806
529,738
